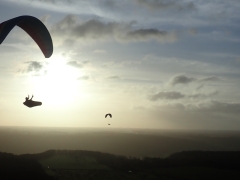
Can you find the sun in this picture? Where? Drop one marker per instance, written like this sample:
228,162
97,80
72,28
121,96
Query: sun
58,85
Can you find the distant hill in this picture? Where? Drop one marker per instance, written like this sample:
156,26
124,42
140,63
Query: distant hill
216,159
70,164
19,168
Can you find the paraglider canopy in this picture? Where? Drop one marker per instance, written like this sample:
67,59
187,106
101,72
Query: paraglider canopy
110,115
34,27
30,103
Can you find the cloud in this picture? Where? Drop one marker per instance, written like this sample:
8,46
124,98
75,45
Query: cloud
75,64
108,3
209,106
64,26
86,62
52,1
46,1
200,87
219,107
147,34
93,29
96,29
181,79
139,108
83,78
193,31
113,77
171,95
34,66
163,4
44,19
197,95
100,51
203,115
201,95
212,78
208,114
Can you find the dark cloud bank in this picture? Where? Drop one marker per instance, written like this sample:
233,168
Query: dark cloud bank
122,32
183,79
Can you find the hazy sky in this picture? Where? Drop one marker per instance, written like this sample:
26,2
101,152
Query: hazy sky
151,63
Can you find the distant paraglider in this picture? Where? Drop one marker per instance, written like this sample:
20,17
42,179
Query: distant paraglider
34,27
30,103
110,115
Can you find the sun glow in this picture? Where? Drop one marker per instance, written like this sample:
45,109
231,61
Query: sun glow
58,85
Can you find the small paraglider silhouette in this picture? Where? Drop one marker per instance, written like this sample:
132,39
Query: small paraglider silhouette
30,103
110,115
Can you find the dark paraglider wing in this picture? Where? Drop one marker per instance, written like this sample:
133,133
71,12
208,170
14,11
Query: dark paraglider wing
31,104
110,115
34,27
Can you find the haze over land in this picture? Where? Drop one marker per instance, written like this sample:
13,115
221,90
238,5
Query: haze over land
128,142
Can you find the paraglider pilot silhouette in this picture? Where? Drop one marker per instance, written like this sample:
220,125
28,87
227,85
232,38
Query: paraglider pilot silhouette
110,115
30,103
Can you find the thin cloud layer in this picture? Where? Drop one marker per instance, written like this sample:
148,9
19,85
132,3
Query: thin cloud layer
202,95
207,115
148,34
212,78
113,77
166,95
75,64
219,107
83,78
45,1
53,2
96,29
100,51
163,4
34,66
174,95
183,79
209,106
